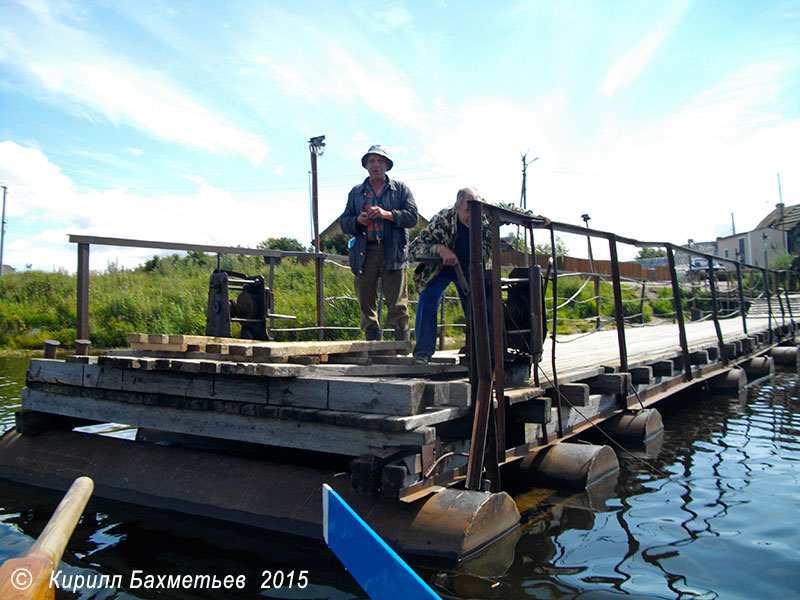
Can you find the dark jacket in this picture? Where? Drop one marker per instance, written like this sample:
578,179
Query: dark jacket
400,201
442,231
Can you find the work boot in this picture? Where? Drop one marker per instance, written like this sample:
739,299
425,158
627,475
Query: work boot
373,335
402,335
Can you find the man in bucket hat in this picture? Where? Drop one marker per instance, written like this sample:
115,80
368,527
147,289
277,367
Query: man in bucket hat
378,214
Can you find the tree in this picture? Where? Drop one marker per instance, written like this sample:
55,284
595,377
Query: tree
651,253
282,243
336,244
561,248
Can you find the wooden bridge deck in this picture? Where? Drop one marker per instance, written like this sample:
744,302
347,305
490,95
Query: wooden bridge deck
579,355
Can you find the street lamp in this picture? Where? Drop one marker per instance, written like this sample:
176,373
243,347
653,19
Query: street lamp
586,218
316,146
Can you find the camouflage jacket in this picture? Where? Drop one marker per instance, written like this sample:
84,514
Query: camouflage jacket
441,230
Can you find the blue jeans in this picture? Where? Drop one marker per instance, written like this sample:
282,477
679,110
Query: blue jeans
425,329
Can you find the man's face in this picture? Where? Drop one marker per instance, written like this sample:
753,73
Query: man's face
376,165
462,210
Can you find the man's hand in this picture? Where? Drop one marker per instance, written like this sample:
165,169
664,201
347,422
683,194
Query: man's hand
449,257
363,219
376,212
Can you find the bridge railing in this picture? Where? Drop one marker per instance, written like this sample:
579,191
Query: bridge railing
718,289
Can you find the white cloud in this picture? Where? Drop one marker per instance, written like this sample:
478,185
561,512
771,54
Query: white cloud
72,67
44,206
629,67
625,70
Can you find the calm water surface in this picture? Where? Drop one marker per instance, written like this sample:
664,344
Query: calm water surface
713,511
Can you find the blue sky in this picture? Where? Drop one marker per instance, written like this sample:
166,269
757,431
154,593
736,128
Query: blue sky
188,121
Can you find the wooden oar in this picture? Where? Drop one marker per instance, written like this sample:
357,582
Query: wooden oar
372,563
28,578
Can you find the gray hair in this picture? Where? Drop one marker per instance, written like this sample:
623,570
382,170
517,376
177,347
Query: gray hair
467,192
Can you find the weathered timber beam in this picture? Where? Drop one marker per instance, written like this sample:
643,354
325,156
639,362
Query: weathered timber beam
663,368
393,397
537,410
574,394
610,383
641,375
275,432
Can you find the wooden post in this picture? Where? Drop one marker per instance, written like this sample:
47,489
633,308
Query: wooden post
82,308
271,284
51,348
82,347
320,269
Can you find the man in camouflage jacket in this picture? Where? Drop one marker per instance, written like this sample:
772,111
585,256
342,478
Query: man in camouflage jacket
446,236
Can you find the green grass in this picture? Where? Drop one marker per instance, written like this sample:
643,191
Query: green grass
169,295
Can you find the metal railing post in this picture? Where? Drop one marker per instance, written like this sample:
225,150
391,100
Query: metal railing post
676,298
480,351
769,303
556,387
618,310
742,306
497,336
715,313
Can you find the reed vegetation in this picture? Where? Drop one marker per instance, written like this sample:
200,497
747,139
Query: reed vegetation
169,295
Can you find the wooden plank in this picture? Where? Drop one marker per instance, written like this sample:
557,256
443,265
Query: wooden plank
663,368
376,370
573,394
338,347
301,391
610,383
641,375
436,393
392,397
289,434
460,394
537,410
517,395
48,370
96,376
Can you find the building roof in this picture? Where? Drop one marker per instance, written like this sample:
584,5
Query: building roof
335,228
791,218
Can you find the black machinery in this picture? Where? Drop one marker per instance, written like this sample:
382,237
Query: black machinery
252,306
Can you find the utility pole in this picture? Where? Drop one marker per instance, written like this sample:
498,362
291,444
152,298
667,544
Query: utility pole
780,202
523,200
316,146
3,229
733,226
